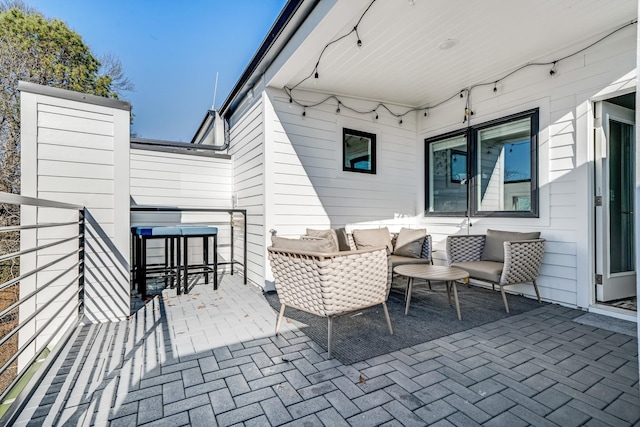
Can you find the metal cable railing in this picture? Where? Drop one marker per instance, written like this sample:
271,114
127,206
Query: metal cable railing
41,304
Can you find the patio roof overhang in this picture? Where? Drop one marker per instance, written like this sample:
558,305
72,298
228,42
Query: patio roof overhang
419,53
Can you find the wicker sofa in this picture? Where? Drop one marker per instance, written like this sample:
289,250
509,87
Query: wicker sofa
396,259
501,258
329,284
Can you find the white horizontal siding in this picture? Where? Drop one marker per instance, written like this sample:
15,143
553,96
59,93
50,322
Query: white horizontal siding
185,181
309,187
179,180
247,145
70,153
565,179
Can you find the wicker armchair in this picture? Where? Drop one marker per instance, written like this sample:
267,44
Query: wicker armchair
522,261
331,284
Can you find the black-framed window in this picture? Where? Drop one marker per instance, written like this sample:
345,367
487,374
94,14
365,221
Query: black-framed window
358,151
489,169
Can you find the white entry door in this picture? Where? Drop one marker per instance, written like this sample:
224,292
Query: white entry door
615,218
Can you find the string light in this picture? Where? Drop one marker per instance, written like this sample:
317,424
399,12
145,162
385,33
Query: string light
467,112
316,78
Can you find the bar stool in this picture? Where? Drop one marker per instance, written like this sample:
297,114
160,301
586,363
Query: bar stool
170,269
205,268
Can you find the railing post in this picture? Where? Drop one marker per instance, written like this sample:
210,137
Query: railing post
232,242
81,253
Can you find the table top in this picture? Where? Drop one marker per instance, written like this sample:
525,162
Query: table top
431,272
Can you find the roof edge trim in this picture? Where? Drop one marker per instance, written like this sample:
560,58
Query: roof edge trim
71,95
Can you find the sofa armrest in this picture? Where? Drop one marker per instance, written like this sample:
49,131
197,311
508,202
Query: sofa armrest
327,284
464,248
427,248
522,261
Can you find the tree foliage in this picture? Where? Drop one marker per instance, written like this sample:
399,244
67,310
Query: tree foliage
44,51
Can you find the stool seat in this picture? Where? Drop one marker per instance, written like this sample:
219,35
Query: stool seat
166,231
198,231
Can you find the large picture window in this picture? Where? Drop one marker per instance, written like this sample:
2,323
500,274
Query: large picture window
488,169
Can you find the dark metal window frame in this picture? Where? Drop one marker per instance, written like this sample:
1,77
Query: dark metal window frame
471,134
428,141
372,159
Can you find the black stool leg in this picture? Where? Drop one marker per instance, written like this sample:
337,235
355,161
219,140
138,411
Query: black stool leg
142,281
215,262
205,258
178,266
186,265
172,275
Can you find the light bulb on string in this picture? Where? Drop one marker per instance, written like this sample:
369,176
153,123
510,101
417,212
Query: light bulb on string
338,109
304,111
495,87
290,102
315,80
359,42
400,122
552,71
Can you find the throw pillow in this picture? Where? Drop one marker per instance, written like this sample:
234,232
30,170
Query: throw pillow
343,240
325,234
307,245
372,238
409,242
494,243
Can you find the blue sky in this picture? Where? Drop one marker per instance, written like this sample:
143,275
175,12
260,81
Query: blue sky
171,51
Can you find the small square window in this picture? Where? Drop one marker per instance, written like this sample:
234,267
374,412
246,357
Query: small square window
359,151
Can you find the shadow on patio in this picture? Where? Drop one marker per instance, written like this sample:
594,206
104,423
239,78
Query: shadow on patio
192,359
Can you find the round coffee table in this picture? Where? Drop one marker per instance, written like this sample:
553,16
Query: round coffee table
432,272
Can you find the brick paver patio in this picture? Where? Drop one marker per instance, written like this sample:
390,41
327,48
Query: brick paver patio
210,358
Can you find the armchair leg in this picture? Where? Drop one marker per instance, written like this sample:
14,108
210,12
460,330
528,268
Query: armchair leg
280,318
386,314
329,336
535,286
504,298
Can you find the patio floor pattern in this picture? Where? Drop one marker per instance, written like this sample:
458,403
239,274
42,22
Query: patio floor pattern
211,358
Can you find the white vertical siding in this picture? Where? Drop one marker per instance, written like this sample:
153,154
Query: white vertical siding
247,149
565,159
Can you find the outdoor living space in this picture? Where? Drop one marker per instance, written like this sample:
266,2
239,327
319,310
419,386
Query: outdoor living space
377,118
212,358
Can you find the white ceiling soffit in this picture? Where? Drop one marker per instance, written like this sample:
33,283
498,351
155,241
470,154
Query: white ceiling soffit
400,60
